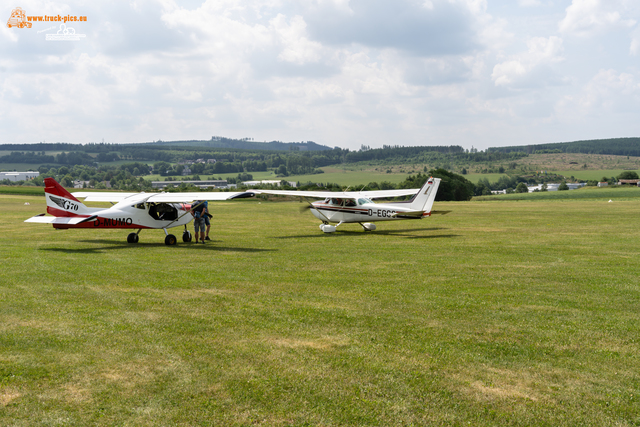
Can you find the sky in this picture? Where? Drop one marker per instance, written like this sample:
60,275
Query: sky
341,73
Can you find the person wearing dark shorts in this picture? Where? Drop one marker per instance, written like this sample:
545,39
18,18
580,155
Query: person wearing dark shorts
198,212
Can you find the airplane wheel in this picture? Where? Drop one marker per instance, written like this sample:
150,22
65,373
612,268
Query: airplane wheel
170,240
132,238
186,236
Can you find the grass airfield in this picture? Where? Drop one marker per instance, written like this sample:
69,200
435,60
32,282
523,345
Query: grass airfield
499,313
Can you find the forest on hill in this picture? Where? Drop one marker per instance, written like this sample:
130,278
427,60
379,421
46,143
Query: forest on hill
614,146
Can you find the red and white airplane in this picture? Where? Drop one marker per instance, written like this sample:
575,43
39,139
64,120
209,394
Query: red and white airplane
356,206
131,210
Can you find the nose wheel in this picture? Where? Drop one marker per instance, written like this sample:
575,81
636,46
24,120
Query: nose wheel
133,237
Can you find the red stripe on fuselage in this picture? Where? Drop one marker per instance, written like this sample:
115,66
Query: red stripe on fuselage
343,209
103,223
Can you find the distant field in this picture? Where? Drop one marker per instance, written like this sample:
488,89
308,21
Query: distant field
587,175
604,194
21,189
497,314
492,177
347,177
19,167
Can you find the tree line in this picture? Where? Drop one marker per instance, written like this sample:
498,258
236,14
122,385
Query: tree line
614,146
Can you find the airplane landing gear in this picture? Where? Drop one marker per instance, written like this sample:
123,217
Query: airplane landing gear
367,226
132,238
170,240
186,236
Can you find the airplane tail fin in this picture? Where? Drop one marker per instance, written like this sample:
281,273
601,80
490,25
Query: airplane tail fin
60,202
423,200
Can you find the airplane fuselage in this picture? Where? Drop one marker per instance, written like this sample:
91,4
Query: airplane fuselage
135,216
360,211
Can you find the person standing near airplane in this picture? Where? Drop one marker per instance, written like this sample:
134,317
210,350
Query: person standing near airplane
207,219
198,211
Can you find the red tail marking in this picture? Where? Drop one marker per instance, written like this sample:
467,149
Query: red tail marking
52,187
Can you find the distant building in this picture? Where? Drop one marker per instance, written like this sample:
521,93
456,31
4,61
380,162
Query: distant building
18,176
603,184
554,187
635,182
268,182
213,183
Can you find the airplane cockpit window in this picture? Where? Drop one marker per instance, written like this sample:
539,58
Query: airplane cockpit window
139,206
337,202
163,211
350,202
364,201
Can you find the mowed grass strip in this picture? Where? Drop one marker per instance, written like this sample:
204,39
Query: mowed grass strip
510,313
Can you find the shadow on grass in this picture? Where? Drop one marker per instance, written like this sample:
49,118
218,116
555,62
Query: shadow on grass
109,245
401,233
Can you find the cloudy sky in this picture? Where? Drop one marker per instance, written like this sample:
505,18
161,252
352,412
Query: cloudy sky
479,73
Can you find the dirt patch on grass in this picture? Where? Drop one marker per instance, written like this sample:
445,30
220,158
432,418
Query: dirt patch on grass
8,396
505,391
503,384
187,294
325,343
74,393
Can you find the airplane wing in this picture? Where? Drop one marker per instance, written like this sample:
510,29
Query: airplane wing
160,197
371,194
103,196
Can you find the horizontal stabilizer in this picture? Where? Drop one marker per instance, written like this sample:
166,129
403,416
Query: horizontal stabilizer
91,218
58,219
418,214
409,214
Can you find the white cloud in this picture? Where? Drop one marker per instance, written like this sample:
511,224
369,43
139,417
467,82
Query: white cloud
296,47
634,48
589,17
610,89
542,52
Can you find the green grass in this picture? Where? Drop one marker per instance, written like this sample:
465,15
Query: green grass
22,189
511,313
613,192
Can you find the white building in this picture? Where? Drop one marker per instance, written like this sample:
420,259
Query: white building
268,182
554,187
18,176
203,184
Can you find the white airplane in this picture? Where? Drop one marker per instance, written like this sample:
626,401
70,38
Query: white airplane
356,206
131,210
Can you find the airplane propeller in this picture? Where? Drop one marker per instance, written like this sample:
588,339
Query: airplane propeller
305,208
